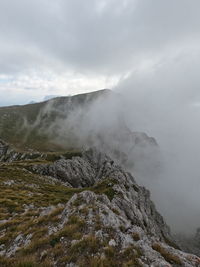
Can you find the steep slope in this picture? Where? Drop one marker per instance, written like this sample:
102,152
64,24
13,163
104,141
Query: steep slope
83,211
30,126
82,121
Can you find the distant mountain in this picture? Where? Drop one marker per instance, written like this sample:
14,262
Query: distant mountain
31,126
32,102
48,97
92,114
79,122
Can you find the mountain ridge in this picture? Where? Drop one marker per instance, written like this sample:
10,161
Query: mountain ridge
73,123
81,211
16,121
73,203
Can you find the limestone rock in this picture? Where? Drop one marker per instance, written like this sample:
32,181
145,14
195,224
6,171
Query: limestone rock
105,219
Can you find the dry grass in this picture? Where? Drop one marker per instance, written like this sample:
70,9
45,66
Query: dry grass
136,236
80,251
168,256
21,205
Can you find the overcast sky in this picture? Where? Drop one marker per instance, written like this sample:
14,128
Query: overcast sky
64,47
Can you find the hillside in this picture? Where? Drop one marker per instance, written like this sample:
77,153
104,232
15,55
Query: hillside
80,211
75,123
64,203
29,126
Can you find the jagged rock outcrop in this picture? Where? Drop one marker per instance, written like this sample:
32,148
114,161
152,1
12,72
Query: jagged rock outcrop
8,154
108,223
95,167
103,217
3,149
123,211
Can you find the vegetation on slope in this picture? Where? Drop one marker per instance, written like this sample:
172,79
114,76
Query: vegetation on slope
43,222
26,127
29,206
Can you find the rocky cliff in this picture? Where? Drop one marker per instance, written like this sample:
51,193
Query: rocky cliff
80,211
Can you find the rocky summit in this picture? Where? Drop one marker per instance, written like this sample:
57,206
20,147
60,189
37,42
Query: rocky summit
79,208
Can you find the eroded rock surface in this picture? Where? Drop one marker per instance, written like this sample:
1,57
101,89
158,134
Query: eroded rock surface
103,218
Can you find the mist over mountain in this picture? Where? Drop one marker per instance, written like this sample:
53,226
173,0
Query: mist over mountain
88,120
107,120
90,176
53,140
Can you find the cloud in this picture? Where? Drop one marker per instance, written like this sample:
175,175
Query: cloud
101,39
104,37
163,101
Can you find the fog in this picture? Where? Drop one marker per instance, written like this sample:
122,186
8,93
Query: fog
165,104
161,110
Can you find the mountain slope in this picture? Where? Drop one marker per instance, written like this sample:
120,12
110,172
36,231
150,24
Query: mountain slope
79,122
64,204
30,126
88,212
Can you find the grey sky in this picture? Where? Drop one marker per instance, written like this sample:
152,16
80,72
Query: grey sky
70,46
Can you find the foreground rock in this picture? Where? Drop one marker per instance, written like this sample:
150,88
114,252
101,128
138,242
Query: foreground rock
101,218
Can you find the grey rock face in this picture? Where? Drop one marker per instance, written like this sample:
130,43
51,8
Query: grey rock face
130,213
79,171
121,231
8,154
3,148
116,212
132,200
